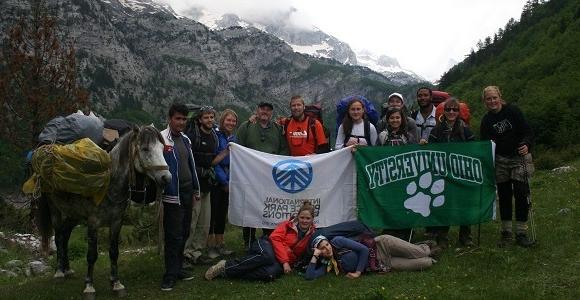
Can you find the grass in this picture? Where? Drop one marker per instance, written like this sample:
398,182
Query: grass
547,271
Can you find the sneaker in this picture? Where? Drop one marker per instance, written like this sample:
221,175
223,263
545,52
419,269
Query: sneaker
213,253
167,284
185,276
223,251
522,240
506,239
216,270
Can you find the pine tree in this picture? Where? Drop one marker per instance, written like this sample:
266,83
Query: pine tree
38,79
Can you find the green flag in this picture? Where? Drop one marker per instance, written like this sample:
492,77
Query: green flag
426,185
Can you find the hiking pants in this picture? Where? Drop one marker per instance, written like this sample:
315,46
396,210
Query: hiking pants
520,191
176,226
259,264
401,255
200,218
219,210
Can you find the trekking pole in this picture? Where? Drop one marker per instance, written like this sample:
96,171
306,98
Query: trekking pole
529,199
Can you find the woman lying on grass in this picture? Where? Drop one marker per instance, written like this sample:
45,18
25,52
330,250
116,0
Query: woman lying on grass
351,257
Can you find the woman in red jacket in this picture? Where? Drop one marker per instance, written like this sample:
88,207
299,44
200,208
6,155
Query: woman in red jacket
268,257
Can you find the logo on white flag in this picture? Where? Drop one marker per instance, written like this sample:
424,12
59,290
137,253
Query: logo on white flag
292,175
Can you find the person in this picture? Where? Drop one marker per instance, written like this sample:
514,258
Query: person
396,132
204,146
269,257
507,127
338,255
305,135
451,129
341,254
425,116
220,190
266,136
355,128
396,100
178,196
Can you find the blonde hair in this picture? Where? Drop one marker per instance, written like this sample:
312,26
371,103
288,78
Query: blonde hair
491,88
224,115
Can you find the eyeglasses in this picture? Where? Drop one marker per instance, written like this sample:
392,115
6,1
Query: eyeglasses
450,109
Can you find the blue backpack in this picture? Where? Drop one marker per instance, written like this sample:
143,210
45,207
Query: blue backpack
372,113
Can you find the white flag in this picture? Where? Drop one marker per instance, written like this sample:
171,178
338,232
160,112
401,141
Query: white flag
266,189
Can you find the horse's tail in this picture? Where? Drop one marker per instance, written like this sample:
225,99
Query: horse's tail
42,220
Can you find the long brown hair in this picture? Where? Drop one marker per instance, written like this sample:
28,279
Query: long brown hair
403,127
347,122
457,129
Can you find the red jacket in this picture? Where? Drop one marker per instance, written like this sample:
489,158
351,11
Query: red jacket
285,242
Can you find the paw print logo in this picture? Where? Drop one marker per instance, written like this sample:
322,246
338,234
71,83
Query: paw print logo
421,202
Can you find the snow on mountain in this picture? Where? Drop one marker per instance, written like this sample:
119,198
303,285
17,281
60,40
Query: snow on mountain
146,6
387,66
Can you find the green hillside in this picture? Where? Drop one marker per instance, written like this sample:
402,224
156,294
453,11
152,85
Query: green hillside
536,63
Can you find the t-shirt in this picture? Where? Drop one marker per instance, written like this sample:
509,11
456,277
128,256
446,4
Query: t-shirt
184,172
302,140
357,133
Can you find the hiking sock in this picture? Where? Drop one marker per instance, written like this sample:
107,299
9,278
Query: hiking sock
506,226
521,227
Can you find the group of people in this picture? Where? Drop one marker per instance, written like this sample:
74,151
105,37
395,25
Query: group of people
195,203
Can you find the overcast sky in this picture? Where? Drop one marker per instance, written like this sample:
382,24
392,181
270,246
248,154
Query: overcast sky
426,36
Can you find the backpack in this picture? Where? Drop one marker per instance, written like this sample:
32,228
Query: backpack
464,112
312,112
372,113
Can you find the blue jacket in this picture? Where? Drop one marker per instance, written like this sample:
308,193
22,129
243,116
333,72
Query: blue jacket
171,192
222,169
351,256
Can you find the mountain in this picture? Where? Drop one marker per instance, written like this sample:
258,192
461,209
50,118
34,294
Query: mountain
136,57
309,40
387,66
536,64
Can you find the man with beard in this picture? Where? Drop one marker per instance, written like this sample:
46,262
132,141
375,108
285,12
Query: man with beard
266,136
204,146
305,135
425,116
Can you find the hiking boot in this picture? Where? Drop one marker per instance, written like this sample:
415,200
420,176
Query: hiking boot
167,284
506,239
213,253
216,270
466,241
523,240
192,257
436,252
185,276
443,241
223,251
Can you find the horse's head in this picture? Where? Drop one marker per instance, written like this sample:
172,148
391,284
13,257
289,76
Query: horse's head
148,155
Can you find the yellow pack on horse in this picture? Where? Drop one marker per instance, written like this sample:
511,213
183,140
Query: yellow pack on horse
80,168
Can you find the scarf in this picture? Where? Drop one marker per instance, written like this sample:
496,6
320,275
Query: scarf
332,264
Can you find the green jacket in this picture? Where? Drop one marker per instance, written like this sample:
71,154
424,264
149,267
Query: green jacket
269,139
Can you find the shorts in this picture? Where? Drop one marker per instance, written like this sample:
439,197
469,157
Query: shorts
516,168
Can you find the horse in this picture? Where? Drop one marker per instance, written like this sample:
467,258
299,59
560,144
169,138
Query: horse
136,159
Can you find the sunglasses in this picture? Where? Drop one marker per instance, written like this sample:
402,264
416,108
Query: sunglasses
206,108
450,109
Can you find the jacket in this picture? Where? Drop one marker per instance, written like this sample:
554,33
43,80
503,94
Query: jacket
171,192
287,247
222,169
